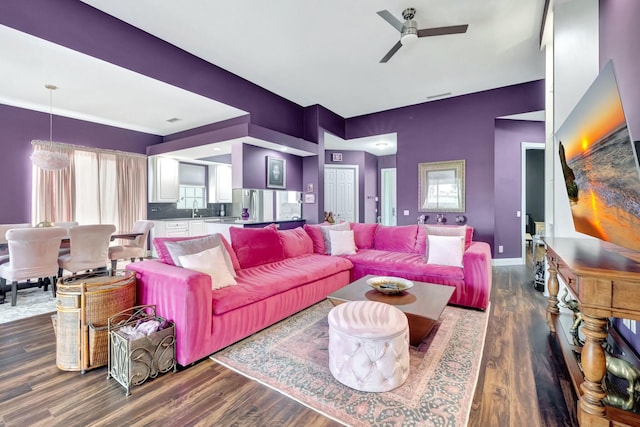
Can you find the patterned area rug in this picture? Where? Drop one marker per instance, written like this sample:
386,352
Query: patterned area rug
291,357
31,302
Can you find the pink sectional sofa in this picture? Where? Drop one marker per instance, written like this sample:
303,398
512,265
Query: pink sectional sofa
402,251
279,273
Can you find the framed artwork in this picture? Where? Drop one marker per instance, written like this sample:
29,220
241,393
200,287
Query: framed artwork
310,198
276,172
336,157
310,188
441,186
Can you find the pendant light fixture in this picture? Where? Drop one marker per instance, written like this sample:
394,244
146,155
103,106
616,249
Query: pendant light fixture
47,159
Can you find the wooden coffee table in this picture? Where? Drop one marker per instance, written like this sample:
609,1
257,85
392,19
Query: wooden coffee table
423,303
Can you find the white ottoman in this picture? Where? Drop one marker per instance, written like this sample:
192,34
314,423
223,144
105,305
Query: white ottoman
368,345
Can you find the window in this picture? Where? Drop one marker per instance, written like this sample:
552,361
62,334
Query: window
193,186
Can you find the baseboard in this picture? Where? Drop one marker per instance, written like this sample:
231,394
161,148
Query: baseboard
506,261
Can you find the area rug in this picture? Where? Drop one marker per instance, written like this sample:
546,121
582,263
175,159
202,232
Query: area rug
30,302
292,358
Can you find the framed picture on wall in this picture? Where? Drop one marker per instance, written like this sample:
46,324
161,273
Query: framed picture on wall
310,198
276,172
336,157
441,186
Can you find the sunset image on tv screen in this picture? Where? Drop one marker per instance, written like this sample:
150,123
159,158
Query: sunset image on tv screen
600,166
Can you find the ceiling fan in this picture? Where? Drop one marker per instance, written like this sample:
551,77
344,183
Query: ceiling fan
409,32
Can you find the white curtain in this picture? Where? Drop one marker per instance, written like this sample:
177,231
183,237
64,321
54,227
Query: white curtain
99,187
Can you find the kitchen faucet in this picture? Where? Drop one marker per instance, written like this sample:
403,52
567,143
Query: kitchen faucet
194,208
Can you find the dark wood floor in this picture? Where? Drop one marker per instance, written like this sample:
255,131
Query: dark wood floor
521,381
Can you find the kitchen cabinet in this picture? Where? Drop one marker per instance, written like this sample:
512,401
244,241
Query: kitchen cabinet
164,184
220,183
168,228
197,227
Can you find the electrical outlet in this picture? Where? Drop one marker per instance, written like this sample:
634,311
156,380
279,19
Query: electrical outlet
500,249
518,214
406,212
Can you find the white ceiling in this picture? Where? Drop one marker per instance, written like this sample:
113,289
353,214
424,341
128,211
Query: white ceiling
309,52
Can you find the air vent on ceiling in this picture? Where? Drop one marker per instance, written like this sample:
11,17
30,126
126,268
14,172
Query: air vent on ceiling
173,120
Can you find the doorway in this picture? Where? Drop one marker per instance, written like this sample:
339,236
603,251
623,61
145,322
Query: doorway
341,192
388,196
532,203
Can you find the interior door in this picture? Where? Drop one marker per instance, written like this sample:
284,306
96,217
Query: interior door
340,192
388,200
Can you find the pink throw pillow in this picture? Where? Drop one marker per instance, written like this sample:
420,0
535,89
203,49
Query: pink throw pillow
256,246
396,238
364,234
315,233
295,242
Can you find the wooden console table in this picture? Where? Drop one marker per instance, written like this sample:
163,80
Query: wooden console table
605,279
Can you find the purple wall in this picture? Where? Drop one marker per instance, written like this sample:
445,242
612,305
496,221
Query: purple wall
65,22
20,126
254,168
619,35
509,134
451,129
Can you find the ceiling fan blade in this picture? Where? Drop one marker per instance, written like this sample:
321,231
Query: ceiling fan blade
441,31
391,52
387,16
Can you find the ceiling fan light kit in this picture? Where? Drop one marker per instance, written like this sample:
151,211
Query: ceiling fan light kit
409,32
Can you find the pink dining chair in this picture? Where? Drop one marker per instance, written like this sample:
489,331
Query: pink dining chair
33,255
136,249
89,248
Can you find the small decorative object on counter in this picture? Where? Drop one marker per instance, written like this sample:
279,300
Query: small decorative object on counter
440,219
245,214
461,219
141,346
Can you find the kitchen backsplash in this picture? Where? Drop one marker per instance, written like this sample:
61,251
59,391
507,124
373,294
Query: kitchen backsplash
169,210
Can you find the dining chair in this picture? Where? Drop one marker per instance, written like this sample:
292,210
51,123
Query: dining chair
33,255
65,248
136,249
89,248
4,250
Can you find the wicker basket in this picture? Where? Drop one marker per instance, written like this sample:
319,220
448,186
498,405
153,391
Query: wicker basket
84,304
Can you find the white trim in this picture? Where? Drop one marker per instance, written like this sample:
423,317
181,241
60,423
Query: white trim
383,173
356,196
500,262
523,191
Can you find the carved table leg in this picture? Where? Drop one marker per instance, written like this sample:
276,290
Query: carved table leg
552,301
593,367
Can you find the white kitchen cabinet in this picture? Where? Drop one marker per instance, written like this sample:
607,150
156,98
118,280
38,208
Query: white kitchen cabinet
197,227
222,228
164,183
220,183
168,228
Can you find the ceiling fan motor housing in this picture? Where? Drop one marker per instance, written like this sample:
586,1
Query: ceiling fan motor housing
409,32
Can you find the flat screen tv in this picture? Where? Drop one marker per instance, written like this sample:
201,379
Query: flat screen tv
600,165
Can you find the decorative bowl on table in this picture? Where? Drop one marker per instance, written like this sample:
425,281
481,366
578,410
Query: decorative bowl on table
390,285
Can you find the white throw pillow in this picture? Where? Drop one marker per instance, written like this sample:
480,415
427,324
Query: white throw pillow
446,250
342,242
343,226
211,262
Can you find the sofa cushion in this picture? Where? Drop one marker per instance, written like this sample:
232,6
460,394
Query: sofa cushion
295,242
364,234
212,262
403,264
256,246
342,242
397,238
445,250
261,282
442,230
315,234
169,248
